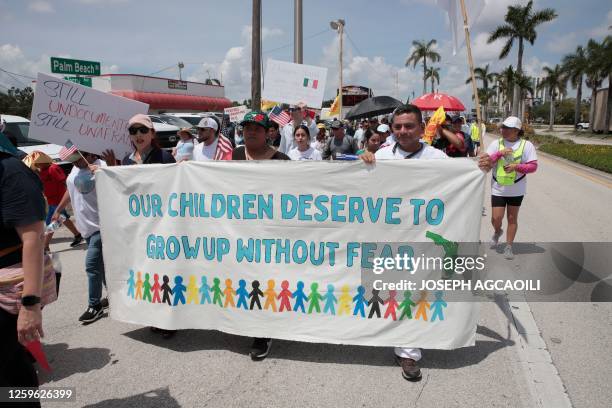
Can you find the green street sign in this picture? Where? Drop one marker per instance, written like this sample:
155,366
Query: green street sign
79,80
74,67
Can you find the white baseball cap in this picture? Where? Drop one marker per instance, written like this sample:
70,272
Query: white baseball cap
512,122
208,123
383,128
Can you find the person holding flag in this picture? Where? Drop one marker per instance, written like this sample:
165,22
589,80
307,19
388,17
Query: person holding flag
299,116
212,144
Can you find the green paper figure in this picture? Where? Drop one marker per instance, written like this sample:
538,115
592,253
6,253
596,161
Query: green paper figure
406,305
147,288
217,292
314,298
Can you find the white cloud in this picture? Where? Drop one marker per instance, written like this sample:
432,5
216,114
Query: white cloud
41,6
563,43
602,30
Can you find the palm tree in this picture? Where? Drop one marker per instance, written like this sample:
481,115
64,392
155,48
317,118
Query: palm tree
521,23
594,76
605,64
505,84
486,77
525,86
423,51
433,74
556,83
575,65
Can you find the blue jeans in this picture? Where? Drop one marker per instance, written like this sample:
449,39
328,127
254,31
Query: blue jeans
94,266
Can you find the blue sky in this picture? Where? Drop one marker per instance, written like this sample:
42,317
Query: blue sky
213,37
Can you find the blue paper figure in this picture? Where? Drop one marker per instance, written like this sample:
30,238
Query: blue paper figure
299,297
437,306
243,295
205,291
330,300
131,284
179,290
360,302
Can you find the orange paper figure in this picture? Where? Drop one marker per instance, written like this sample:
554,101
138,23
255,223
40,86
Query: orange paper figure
192,291
229,293
422,307
344,301
270,294
437,119
138,286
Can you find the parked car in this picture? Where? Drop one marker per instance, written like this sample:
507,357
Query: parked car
193,118
583,125
495,121
166,134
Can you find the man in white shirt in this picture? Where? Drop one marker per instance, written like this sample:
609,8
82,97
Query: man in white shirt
407,125
298,117
211,144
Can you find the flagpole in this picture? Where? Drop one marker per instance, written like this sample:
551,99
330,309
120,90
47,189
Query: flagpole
471,61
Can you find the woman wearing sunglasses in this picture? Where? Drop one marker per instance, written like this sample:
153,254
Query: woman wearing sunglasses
146,146
146,151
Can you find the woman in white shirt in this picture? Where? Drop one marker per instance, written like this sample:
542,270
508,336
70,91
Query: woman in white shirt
303,150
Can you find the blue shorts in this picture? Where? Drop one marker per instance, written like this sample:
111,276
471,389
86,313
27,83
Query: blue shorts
52,211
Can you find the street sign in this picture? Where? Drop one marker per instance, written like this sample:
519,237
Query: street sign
174,84
74,67
79,80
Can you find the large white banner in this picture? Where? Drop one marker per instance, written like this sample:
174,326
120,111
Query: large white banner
92,120
291,83
276,249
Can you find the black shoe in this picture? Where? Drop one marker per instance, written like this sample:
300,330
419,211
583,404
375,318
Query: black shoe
92,314
104,303
76,241
410,369
260,348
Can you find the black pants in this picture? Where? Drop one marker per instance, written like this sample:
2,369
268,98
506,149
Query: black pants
16,368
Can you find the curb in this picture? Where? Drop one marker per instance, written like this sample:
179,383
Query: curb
587,169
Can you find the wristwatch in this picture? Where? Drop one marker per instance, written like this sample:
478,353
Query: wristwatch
30,300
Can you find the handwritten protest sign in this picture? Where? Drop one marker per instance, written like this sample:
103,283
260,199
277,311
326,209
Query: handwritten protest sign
236,113
217,245
294,83
94,121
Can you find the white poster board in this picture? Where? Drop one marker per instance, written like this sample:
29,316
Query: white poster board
92,120
236,113
291,83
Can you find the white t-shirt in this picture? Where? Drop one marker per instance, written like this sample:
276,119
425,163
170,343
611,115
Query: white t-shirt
309,154
519,188
82,189
359,135
426,152
184,150
201,152
287,143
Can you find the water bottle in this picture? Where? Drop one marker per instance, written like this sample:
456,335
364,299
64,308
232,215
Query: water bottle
54,226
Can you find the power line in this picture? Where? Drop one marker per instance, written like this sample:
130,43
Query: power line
291,43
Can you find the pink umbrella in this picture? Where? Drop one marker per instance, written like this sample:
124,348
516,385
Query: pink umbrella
432,101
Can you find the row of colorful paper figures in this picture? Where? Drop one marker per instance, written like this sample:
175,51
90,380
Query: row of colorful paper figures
144,290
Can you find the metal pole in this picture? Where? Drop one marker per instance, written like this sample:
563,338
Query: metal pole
256,56
297,32
471,61
340,31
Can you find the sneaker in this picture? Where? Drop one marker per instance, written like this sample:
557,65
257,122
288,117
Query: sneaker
508,254
410,369
495,238
104,303
92,314
76,241
260,348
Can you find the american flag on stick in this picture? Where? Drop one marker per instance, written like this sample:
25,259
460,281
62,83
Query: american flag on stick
278,115
67,150
224,148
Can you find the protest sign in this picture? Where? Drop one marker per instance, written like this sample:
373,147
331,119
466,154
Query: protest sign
243,248
294,83
236,113
94,121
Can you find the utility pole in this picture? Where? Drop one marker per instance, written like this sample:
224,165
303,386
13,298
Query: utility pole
180,67
256,56
338,25
298,43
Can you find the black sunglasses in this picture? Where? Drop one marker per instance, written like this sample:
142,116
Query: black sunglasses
133,130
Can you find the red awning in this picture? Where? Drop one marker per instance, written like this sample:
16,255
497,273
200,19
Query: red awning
158,100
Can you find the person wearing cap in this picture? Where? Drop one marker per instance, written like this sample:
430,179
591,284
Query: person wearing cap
184,147
303,150
299,116
146,147
212,145
371,143
385,132
320,138
512,158
340,143
81,194
54,187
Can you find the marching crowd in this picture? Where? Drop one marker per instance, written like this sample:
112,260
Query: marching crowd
35,192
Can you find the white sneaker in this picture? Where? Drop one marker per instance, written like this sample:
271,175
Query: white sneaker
508,254
495,238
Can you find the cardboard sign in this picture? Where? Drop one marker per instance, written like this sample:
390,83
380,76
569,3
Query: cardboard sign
294,83
93,120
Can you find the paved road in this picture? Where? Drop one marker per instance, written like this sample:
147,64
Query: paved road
584,137
114,364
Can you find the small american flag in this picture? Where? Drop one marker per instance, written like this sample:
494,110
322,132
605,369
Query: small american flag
278,115
67,150
224,148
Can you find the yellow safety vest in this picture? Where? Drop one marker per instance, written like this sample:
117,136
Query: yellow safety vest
501,177
475,132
